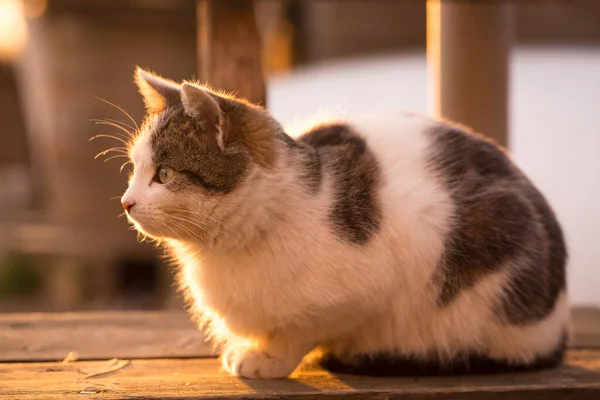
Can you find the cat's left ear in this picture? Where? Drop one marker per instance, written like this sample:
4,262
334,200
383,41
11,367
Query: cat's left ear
158,93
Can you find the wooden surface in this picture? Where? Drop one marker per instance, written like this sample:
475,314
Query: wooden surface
228,48
146,334
203,379
99,335
154,350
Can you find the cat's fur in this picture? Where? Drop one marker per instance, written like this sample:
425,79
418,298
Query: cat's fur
394,244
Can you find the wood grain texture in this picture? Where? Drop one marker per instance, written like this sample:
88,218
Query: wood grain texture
203,379
144,334
136,336
99,335
229,55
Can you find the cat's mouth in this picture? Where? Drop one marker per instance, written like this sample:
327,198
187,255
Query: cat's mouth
146,225
175,225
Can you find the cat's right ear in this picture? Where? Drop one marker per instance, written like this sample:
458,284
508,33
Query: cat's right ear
199,104
158,93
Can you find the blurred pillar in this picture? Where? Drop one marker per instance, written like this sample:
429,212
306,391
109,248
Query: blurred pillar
468,50
13,142
228,48
15,161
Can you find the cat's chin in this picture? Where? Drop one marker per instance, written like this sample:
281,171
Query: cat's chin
148,230
168,235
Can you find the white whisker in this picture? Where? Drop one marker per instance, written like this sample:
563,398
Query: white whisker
112,149
104,135
128,135
116,121
120,109
113,157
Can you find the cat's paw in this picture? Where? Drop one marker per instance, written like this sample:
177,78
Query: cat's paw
256,364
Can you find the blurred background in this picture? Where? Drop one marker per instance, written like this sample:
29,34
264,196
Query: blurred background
62,246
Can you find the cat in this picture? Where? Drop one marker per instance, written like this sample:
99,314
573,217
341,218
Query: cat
384,245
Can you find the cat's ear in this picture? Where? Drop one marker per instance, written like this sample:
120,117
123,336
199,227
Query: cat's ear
158,93
200,105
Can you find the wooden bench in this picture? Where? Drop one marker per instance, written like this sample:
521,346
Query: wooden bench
162,355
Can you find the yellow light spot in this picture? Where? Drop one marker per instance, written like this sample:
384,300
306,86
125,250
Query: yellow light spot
13,29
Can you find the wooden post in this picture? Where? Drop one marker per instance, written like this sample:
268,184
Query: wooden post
468,49
229,48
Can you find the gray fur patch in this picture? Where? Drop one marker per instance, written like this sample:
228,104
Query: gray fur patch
355,215
534,288
490,229
180,143
309,160
501,221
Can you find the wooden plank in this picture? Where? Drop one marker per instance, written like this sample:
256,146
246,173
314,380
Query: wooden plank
468,49
229,55
203,379
99,335
144,334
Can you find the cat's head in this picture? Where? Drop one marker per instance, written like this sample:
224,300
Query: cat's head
194,159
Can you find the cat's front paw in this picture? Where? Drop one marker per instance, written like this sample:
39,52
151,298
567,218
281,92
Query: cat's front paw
256,364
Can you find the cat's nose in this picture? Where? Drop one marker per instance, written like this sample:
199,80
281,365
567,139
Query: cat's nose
127,204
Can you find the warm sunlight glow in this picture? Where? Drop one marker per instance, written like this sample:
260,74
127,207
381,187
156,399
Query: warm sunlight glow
35,8
323,116
13,30
434,28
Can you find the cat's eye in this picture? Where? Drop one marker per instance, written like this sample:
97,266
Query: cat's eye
165,174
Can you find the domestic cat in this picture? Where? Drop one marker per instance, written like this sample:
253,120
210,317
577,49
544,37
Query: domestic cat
389,245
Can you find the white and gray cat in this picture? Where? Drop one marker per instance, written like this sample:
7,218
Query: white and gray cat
392,245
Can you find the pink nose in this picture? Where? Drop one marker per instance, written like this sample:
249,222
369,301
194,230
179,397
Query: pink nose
127,204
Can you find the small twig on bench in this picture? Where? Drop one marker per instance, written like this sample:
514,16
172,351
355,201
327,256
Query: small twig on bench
111,366
71,357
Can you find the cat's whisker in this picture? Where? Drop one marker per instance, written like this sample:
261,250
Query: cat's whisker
167,227
178,210
124,164
120,109
192,223
178,221
104,135
116,121
185,229
120,134
189,212
170,228
115,156
120,150
128,134
115,198
122,214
